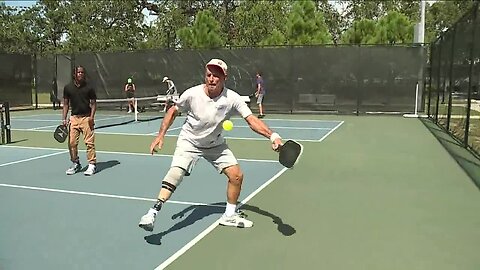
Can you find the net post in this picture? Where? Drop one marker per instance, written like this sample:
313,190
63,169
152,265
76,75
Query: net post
415,114
2,125
8,128
135,108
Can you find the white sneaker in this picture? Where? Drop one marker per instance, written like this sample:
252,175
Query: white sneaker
146,222
76,167
90,170
237,220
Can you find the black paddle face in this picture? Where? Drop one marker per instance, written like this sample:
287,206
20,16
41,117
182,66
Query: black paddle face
61,133
289,154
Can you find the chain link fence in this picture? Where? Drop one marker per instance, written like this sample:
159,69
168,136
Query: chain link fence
16,77
453,98
308,79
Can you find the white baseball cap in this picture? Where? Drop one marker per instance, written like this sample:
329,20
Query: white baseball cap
218,63
165,79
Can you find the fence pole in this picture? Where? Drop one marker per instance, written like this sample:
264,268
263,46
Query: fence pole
450,78
470,76
438,77
430,79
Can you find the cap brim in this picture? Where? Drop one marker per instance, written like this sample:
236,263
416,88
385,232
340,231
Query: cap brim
218,67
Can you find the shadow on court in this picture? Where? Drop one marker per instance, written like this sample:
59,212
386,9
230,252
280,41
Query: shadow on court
199,212
103,165
19,141
468,161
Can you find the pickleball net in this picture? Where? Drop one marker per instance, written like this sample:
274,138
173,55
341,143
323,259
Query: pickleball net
114,112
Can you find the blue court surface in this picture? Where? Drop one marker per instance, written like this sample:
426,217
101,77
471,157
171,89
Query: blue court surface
55,221
303,130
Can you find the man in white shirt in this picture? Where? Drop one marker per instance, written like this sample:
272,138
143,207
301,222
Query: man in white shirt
207,106
172,89
170,93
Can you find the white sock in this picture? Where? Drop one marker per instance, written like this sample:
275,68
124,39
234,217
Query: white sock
230,209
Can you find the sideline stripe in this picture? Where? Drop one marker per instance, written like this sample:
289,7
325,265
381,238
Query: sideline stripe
33,158
103,195
330,132
119,153
199,237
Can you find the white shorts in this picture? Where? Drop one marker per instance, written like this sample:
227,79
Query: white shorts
186,156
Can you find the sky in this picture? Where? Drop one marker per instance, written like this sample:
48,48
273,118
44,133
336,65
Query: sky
19,3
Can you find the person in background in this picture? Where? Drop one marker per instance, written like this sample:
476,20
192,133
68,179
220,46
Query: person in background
130,92
260,93
54,94
170,93
80,96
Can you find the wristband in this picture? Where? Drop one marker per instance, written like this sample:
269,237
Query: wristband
274,136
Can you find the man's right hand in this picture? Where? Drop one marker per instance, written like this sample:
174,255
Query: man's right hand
158,142
64,122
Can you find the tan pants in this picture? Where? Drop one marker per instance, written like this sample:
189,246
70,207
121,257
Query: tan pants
80,124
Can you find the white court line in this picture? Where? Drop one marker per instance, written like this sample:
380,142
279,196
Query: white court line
175,135
36,120
184,248
214,225
33,115
120,153
103,195
330,132
33,158
37,128
274,127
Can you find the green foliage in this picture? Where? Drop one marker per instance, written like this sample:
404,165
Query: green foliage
443,14
254,21
362,32
306,26
276,38
19,31
64,26
204,33
101,26
392,29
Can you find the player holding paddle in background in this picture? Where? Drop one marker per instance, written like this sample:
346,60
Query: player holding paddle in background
130,92
81,97
207,106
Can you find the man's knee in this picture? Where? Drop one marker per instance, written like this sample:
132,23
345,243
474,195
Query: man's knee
234,174
173,178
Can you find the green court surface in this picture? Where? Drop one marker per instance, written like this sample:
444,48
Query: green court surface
371,192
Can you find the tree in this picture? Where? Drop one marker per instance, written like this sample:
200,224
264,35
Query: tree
362,32
19,30
306,26
443,14
393,28
335,23
101,26
254,21
276,38
204,33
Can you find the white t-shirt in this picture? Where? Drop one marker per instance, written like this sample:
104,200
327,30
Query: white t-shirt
203,126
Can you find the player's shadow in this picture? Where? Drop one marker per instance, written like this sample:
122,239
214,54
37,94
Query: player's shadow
198,212
103,165
283,228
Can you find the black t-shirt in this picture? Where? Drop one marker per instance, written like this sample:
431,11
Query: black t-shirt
79,97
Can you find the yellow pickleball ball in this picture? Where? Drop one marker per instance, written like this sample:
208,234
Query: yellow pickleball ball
227,125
